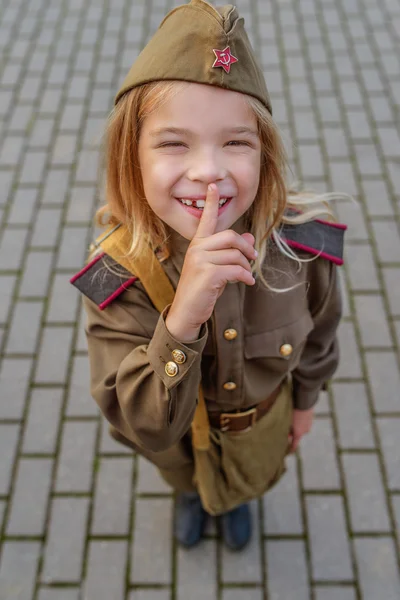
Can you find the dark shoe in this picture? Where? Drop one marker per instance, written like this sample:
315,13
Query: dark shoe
190,519
236,527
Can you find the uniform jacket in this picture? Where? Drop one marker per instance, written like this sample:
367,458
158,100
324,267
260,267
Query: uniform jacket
273,334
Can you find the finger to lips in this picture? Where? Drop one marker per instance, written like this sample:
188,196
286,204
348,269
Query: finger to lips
209,218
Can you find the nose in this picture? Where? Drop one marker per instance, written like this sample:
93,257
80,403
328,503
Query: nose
206,166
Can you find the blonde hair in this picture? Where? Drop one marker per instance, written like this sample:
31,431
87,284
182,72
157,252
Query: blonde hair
125,198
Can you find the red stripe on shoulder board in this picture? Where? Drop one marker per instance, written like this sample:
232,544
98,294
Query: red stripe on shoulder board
117,292
86,267
334,259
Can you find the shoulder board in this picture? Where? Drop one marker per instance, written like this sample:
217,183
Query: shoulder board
318,237
102,280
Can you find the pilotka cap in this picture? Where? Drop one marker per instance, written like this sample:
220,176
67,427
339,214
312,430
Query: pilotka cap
202,44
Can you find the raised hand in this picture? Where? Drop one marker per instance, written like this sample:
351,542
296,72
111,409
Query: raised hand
212,260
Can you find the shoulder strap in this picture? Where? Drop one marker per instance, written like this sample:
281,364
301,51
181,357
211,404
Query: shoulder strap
159,288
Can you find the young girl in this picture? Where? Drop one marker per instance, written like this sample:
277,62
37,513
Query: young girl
195,171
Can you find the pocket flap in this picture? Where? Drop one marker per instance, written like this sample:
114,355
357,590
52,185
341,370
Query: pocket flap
269,343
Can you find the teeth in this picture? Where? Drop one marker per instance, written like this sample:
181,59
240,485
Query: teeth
200,203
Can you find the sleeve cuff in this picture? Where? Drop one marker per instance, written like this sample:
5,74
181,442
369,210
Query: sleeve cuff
165,353
304,398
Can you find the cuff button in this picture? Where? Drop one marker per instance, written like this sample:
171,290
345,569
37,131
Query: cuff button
179,356
286,350
171,369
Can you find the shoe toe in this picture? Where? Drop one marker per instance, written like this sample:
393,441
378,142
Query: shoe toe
190,519
236,527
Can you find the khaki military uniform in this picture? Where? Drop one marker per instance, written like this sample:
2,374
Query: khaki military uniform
253,341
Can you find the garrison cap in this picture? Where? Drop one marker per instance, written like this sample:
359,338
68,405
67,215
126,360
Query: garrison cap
202,44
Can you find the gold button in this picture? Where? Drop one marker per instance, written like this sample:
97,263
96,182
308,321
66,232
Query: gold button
286,350
171,369
230,334
230,386
179,356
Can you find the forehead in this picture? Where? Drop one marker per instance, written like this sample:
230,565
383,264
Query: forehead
195,105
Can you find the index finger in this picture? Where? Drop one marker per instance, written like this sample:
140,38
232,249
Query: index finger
209,218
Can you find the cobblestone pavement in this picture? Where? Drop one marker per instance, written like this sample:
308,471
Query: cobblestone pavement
80,517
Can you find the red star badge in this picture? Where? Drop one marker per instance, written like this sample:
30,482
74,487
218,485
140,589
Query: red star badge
224,59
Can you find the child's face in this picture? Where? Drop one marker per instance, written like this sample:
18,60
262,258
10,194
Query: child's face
178,165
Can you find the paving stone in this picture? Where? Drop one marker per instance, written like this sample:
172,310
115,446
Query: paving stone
106,565
81,341
149,480
112,497
14,383
151,556
20,120
42,132
197,572
64,150
56,186
63,300
378,570
87,167
33,481
108,445
94,131
8,446
25,326
287,575
349,365
317,451
311,161
240,593
12,248
33,167
384,378
7,285
326,521
374,329
71,118
36,274
387,240
73,248
75,465
66,539
377,197
40,436
353,416
11,151
19,562
58,593
237,568
80,403
388,434
351,214
54,354
282,509
362,269
335,593
342,176
81,203
6,180
23,206
365,493
45,231
392,285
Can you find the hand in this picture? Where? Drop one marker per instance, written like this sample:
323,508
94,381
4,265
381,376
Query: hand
212,260
301,424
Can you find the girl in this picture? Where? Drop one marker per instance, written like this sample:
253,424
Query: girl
195,171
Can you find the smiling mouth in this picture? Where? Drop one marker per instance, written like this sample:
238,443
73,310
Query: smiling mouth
200,204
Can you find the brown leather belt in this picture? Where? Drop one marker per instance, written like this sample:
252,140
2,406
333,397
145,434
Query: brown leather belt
241,421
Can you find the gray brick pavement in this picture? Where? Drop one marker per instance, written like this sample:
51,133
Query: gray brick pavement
80,517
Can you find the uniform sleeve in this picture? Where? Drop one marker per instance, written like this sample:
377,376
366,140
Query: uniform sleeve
129,346
320,357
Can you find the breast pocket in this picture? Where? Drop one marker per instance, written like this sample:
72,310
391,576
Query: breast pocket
281,346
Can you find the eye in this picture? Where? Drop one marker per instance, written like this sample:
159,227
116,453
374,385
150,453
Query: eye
238,143
171,144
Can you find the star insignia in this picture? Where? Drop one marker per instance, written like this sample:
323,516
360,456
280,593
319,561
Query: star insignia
224,59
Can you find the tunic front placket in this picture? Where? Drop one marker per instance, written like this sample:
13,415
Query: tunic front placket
229,340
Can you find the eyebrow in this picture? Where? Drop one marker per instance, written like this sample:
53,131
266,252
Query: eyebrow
186,132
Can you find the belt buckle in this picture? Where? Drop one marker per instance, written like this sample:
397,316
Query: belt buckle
225,418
